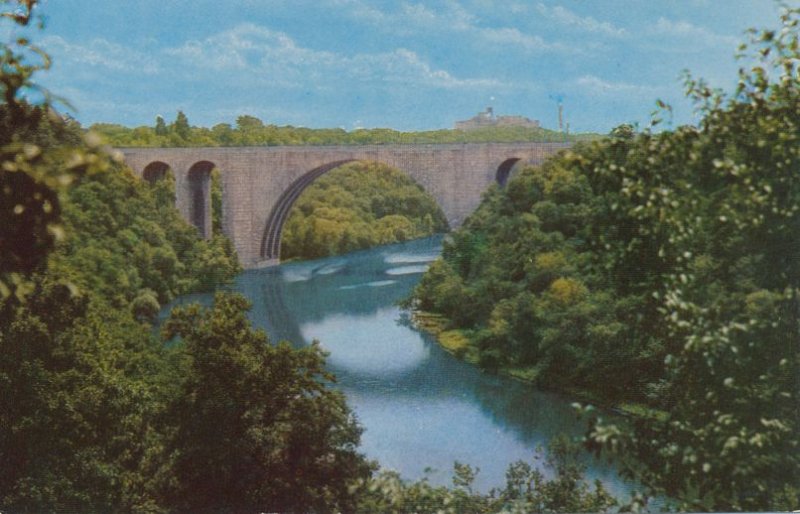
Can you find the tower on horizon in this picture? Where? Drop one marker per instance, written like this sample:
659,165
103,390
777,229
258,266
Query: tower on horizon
487,118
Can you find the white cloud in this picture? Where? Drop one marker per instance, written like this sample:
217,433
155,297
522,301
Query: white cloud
511,36
256,54
586,23
414,18
403,65
694,34
600,86
253,55
100,53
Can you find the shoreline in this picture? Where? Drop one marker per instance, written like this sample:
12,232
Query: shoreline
458,344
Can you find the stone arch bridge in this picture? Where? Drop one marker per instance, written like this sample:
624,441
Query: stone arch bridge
260,184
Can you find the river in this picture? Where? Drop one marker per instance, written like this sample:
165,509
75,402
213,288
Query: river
422,409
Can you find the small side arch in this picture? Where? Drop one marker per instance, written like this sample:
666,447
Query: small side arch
504,171
198,185
155,171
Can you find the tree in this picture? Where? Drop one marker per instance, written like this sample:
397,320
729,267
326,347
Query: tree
731,304
83,385
259,429
33,174
216,201
145,306
82,388
161,126
670,262
181,127
246,123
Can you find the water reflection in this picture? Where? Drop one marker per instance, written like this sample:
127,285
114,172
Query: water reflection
352,343
420,406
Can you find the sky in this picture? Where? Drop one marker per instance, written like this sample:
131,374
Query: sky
406,65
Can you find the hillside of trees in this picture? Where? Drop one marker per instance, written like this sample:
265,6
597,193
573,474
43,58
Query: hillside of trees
660,269
251,131
355,206
97,412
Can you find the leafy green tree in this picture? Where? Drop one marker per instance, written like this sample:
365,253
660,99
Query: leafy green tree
730,441
161,126
249,123
277,439
33,173
82,387
145,306
223,134
181,127
216,201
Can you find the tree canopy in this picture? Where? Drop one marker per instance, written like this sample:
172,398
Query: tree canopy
251,131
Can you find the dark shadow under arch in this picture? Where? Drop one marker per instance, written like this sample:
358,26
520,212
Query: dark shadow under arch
504,170
155,171
199,189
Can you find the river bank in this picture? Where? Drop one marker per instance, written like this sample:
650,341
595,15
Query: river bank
457,342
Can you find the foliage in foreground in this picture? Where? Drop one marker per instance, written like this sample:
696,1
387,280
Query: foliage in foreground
264,431
89,396
83,382
670,262
355,206
526,490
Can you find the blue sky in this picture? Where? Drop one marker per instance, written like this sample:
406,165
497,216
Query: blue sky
407,65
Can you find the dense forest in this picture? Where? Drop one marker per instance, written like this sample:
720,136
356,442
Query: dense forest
101,412
251,131
98,414
659,269
355,206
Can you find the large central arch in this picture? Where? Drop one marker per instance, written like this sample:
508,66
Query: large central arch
271,241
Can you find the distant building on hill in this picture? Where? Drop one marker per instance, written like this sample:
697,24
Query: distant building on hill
488,119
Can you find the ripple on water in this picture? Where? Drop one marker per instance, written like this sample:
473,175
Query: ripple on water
376,283
409,258
407,270
329,269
